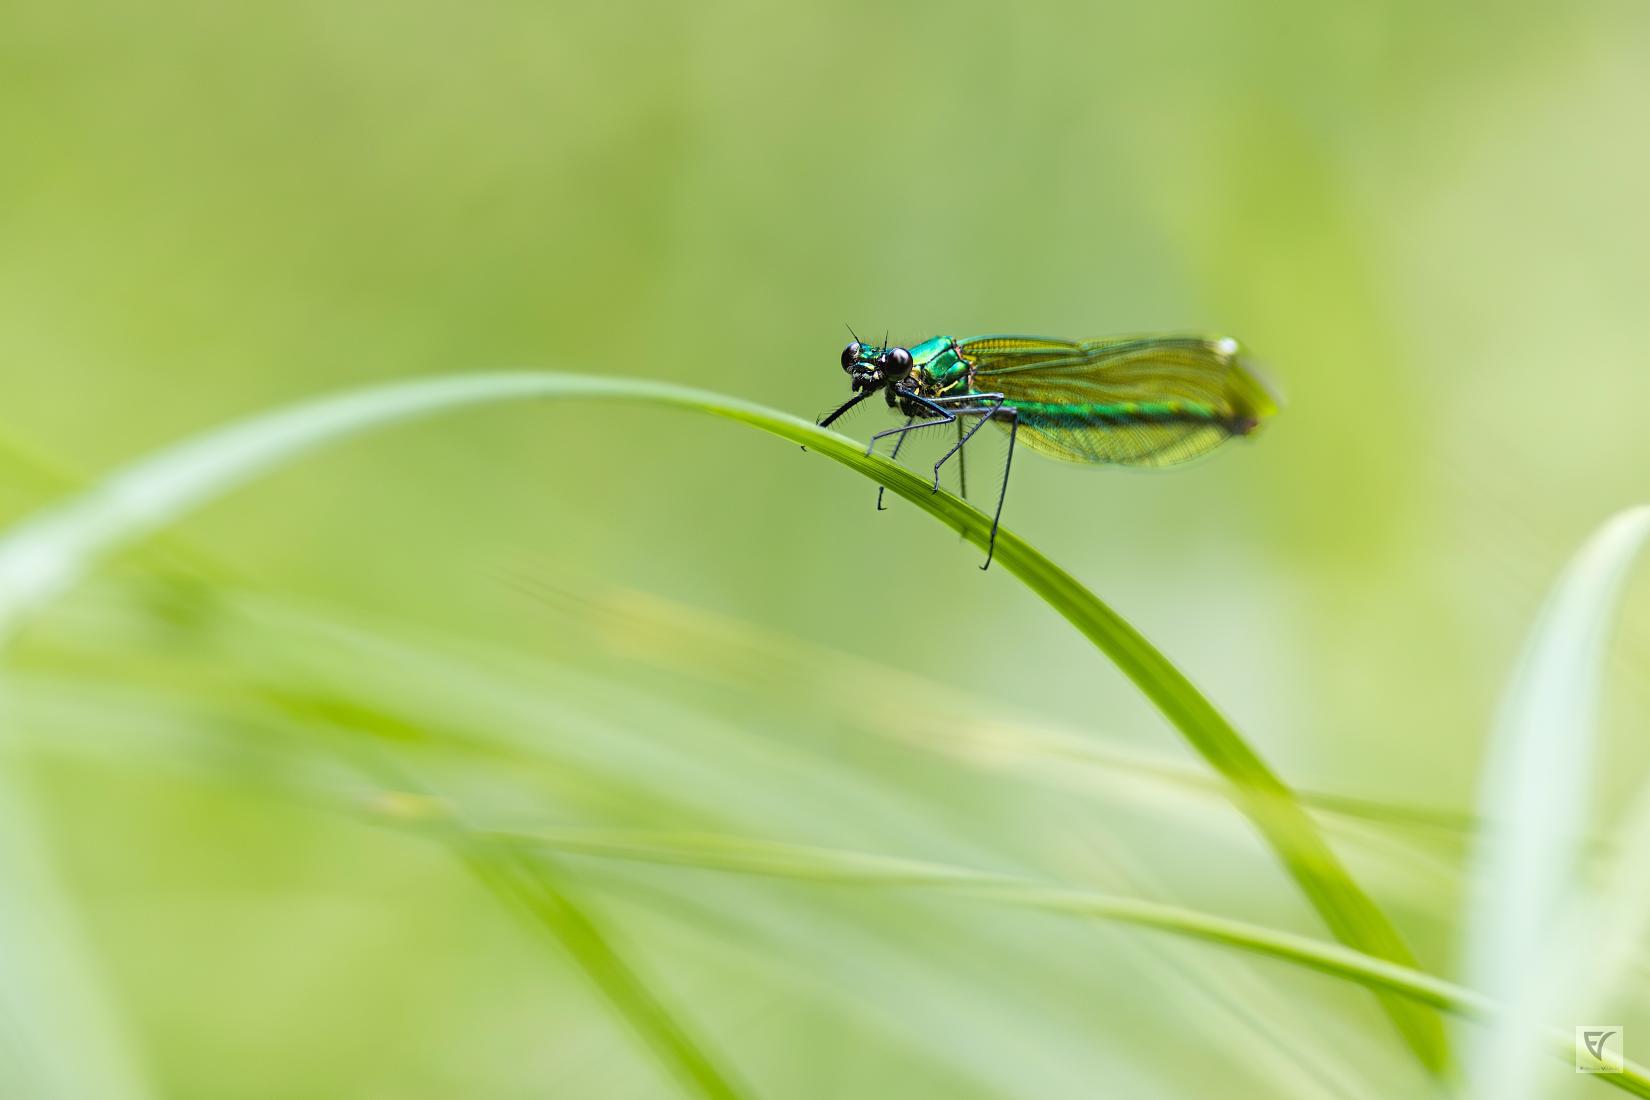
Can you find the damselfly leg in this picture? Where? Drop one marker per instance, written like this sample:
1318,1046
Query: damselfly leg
987,412
893,456
844,407
1013,415
954,415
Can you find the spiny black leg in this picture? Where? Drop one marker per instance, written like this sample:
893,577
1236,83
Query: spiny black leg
962,465
827,421
985,412
988,411
845,406
893,456
936,406
908,427
1002,493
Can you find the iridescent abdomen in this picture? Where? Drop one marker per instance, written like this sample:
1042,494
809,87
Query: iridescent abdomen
1129,433
1054,414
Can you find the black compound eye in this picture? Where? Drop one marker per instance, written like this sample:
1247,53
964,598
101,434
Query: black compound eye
895,363
850,355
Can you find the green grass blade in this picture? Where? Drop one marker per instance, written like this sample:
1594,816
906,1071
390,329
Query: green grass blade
1615,921
809,863
537,888
43,557
60,1035
742,855
1534,802
528,885
942,718
1350,914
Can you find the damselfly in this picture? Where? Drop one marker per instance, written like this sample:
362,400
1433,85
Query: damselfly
1133,400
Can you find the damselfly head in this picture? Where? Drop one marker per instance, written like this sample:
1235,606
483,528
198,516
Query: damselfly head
860,362
871,368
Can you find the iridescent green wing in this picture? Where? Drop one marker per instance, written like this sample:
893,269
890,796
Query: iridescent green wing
1135,400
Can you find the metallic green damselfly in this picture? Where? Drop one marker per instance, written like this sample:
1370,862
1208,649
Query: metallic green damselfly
1147,401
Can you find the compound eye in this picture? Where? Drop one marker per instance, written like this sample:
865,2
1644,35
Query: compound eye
850,356
895,364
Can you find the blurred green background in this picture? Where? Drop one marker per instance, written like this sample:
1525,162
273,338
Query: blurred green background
1428,222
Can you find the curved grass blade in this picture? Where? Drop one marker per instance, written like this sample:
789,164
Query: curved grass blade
1534,803
742,855
533,888
1613,924
819,864
1606,926
60,1035
41,558
943,718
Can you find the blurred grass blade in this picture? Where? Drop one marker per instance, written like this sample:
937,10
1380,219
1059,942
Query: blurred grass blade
815,864
1607,925
944,718
43,557
1612,923
743,855
60,1038
1533,804
1351,915
527,884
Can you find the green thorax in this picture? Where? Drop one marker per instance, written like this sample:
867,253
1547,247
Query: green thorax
940,368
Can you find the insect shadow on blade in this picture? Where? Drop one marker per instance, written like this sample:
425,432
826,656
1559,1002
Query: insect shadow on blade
1142,401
